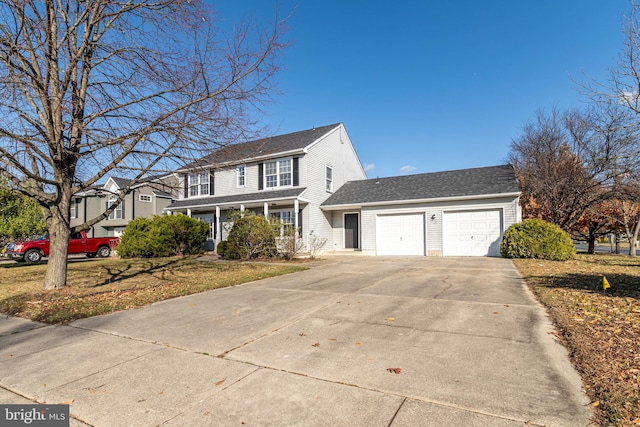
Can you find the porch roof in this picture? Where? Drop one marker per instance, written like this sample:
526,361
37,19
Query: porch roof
251,199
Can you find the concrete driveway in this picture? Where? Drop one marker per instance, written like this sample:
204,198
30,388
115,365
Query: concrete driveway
354,341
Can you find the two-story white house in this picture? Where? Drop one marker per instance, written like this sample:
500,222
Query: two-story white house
285,177
313,180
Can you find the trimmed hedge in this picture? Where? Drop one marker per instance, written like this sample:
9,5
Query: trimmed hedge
162,236
535,238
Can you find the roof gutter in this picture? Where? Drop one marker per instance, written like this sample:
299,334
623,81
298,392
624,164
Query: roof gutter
413,201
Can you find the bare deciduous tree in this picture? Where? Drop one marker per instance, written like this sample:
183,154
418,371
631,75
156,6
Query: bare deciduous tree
89,87
559,172
622,89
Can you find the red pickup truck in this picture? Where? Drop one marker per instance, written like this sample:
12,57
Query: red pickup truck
33,250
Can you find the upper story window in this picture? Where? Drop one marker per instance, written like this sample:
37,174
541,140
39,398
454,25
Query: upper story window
241,176
198,184
277,173
328,178
118,212
145,198
75,205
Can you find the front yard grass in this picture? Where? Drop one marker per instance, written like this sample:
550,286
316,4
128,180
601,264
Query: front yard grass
600,328
104,286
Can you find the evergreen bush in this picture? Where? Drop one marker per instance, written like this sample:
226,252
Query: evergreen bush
251,236
162,236
535,238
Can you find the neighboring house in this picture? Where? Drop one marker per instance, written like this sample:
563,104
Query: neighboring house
285,177
452,213
148,197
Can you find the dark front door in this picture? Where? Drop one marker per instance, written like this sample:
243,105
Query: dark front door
351,231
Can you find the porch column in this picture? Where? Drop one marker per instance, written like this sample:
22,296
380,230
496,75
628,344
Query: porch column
218,238
242,211
266,210
189,213
296,207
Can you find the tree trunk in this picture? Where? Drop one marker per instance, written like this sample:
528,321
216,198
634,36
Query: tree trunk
59,232
617,244
632,243
592,244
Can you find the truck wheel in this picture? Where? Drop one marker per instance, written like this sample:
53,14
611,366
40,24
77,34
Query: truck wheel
32,255
104,251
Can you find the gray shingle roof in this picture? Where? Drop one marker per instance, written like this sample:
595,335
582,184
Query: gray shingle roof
458,183
263,147
238,198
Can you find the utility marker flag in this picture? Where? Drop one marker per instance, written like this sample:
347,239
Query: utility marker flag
605,283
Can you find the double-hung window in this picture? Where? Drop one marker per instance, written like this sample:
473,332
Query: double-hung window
198,184
241,176
328,178
118,212
278,173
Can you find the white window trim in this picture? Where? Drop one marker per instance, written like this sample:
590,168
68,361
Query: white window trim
278,173
327,180
203,180
243,176
113,215
147,198
73,214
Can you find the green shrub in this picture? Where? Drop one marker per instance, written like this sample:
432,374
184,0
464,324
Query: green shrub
535,238
222,248
251,236
163,236
135,239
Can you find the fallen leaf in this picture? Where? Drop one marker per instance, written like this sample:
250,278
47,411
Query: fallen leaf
496,312
220,382
594,404
394,370
332,339
315,345
390,319
357,342
67,402
302,334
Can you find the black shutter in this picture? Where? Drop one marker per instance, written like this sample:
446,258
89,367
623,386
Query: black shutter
296,181
186,186
122,204
260,176
211,182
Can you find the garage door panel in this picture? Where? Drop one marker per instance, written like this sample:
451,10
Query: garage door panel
472,233
400,234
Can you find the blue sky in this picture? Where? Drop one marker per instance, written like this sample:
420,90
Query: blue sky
425,86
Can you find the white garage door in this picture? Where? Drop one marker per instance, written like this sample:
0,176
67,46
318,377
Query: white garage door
401,234
471,233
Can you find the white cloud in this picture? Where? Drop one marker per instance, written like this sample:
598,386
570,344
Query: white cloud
368,167
406,170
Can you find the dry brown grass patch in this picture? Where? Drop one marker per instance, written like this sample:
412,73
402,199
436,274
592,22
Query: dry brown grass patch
104,286
600,328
